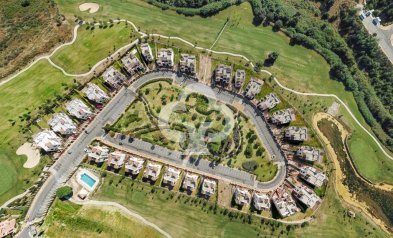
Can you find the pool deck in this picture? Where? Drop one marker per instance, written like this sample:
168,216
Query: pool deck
80,172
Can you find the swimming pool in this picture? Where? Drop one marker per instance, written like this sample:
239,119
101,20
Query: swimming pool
88,180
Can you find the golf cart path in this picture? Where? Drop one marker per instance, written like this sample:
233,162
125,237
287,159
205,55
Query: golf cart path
124,210
144,35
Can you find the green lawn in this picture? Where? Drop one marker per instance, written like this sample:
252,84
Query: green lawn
70,220
92,46
135,117
181,216
296,67
25,93
158,94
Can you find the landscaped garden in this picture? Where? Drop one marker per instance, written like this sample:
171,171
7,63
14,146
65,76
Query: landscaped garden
240,147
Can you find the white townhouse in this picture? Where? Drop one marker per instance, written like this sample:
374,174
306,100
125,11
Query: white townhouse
47,140
62,124
78,109
95,94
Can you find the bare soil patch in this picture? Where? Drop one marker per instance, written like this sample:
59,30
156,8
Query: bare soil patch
205,65
224,193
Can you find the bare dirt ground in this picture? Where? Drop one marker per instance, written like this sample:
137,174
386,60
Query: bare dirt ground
333,109
33,155
91,7
205,64
341,189
224,193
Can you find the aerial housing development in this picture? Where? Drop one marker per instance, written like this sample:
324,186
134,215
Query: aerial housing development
190,182
269,102
113,77
47,140
152,171
284,203
62,124
186,129
187,64
116,160
171,176
309,154
134,165
242,196
253,88
306,196
79,109
261,201
296,134
283,117
312,176
222,74
98,154
132,64
208,187
165,58
95,94
146,52
240,76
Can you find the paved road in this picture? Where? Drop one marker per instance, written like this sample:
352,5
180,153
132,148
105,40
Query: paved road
70,159
383,36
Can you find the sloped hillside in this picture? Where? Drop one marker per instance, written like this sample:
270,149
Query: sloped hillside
28,28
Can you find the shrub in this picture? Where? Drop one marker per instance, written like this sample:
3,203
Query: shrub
250,165
64,192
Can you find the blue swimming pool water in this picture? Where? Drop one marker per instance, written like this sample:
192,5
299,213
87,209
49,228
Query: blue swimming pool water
88,180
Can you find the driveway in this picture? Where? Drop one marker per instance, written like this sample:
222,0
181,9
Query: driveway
384,36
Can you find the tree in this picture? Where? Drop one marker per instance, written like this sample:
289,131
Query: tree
25,3
277,25
271,59
64,192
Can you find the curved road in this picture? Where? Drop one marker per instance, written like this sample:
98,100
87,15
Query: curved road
72,157
144,35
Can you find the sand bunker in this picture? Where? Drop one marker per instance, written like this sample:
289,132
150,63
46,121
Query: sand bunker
33,155
92,7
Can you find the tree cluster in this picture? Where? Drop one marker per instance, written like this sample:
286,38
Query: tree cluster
382,9
190,8
354,56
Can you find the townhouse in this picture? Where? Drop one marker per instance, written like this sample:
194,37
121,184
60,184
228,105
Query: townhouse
283,116
242,196
47,140
187,64
95,94
98,154
253,88
268,102
134,165
165,58
113,77
296,134
78,109
62,124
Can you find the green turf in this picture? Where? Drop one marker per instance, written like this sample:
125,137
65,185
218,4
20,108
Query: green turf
24,93
70,220
181,216
92,46
298,68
